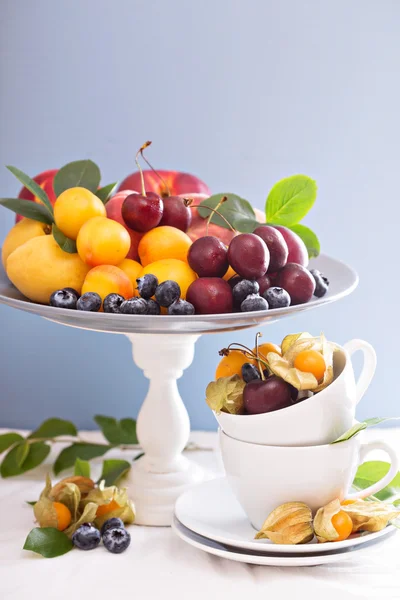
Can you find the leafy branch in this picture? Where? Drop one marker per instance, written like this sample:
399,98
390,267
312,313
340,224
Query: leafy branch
25,454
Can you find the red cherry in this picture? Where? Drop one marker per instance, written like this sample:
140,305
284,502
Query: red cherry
142,213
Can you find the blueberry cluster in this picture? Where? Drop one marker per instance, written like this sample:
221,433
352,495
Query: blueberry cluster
115,537
167,294
253,295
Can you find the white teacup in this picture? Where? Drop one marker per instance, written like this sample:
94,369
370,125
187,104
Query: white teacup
317,420
264,477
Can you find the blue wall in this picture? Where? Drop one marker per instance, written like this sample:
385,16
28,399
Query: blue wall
240,93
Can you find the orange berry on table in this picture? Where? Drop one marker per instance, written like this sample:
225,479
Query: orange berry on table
102,241
343,525
311,361
231,364
74,207
63,515
171,268
108,279
163,242
133,269
104,509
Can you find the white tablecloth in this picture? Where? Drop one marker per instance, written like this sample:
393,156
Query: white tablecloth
159,565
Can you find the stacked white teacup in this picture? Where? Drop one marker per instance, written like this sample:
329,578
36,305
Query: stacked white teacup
287,455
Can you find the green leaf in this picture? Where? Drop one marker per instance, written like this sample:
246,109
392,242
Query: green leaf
37,454
106,192
31,503
68,456
309,238
33,187
48,541
21,453
80,173
396,502
9,439
54,427
235,208
117,432
26,208
113,470
82,467
245,225
372,471
290,199
65,243
347,435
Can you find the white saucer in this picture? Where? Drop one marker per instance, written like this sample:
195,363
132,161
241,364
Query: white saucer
211,511
264,559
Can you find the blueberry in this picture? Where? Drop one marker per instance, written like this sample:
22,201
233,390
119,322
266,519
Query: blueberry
63,299
86,537
244,288
116,540
146,285
110,524
153,308
321,283
181,307
234,280
73,291
277,297
254,302
112,303
250,372
167,292
134,306
89,302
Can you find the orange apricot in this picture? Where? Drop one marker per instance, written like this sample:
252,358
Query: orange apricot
108,279
102,241
171,268
163,242
231,364
133,269
74,207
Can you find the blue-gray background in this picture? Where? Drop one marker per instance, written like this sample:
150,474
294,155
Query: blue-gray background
240,93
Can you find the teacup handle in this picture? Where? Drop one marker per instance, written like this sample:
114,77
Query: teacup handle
369,365
379,485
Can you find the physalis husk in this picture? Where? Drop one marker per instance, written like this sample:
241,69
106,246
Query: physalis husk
226,394
292,345
290,523
370,516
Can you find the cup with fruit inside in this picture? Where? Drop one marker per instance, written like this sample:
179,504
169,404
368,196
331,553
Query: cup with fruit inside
303,392
264,477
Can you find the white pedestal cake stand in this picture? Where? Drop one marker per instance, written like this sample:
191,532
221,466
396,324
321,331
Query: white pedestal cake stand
163,473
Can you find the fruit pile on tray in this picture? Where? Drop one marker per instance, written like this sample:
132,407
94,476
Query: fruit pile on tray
161,244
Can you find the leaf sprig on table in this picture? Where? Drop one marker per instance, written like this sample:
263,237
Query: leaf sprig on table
26,453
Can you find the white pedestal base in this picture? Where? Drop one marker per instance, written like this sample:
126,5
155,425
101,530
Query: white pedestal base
163,473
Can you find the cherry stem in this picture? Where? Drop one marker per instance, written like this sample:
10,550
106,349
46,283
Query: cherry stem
139,167
153,169
244,350
188,202
258,335
220,203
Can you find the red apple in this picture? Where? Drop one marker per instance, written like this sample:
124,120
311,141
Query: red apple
113,208
176,183
45,180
